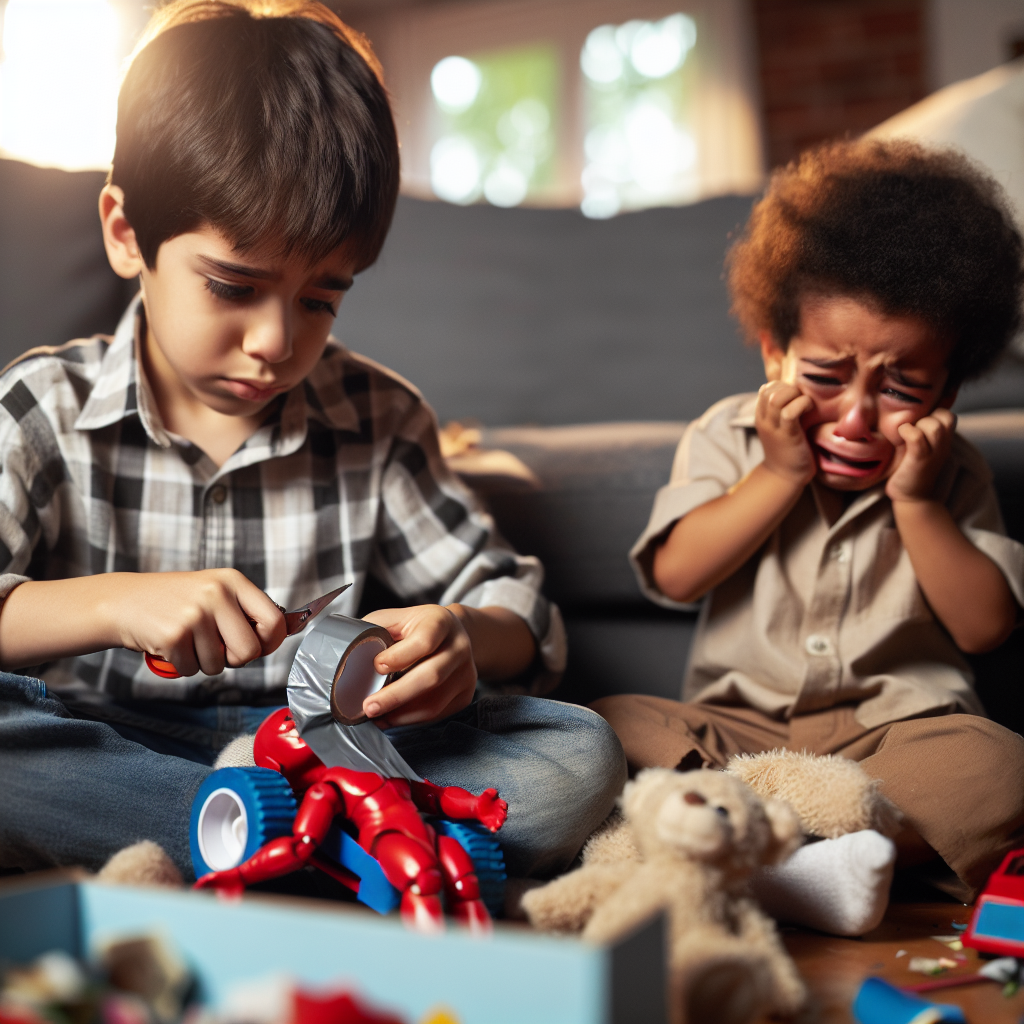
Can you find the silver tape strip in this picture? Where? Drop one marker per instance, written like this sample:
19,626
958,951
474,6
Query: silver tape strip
335,655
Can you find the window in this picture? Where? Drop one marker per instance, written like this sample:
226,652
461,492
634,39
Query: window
639,92
609,105
495,115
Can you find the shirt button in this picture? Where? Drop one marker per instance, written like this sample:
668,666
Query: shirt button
818,644
841,553
218,494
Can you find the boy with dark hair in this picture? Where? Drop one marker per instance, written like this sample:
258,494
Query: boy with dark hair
849,541
165,490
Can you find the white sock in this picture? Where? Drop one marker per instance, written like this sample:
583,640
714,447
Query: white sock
839,885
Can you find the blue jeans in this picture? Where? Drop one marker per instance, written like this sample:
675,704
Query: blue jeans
74,791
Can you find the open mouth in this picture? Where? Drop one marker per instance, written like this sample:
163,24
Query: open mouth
830,462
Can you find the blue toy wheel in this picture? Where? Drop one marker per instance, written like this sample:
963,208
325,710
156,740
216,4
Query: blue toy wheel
234,813
485,852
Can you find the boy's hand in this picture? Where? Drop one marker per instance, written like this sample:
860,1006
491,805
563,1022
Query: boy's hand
198,621
434,652
925,449
787,452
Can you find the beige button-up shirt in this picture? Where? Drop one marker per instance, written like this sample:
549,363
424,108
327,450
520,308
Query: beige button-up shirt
828,611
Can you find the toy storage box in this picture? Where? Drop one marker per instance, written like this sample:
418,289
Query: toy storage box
512,977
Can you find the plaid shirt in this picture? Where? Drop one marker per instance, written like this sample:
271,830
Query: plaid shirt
344,478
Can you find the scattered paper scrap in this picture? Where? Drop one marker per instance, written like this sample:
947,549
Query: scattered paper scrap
953,941
1005,969
929,965
958,927
900,952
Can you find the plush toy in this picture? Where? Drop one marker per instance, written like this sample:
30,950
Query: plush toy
841,883
698,836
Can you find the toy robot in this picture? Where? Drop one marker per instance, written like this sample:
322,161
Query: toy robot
380,811
386,815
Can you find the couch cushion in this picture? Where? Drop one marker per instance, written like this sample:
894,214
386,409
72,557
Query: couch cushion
597,485
55,282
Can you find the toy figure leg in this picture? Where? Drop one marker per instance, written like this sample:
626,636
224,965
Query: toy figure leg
413,871
75,792
461,886
559,766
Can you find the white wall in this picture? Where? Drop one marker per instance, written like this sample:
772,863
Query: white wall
968,37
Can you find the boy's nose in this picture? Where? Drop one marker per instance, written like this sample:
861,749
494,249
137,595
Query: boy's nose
269,339
857,422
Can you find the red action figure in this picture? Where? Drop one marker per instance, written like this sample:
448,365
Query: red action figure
386,813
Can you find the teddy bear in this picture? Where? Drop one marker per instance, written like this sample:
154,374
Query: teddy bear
689,842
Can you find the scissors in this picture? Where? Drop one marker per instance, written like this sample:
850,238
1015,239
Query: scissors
294,622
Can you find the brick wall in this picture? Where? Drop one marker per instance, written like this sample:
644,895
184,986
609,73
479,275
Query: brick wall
835,67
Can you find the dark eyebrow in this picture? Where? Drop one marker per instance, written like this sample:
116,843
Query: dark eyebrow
901,378
825,364
238,269
333,284
328,282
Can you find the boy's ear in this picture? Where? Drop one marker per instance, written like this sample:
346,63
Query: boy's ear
771,354
118,235
947,400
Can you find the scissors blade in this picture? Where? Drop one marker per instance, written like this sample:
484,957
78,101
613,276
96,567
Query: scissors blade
296,621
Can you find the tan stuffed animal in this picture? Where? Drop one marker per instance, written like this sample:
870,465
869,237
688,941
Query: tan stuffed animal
700,834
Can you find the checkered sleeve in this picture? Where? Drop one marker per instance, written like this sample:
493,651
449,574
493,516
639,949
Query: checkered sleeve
32,469
436,544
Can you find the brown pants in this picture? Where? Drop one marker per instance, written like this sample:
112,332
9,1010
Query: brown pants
959,779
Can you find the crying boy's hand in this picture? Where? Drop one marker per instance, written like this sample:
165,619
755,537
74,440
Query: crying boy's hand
787,452
917,462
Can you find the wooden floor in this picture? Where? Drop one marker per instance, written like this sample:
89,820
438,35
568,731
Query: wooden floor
834,968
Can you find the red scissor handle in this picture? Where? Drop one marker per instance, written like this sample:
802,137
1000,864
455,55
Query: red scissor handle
161,667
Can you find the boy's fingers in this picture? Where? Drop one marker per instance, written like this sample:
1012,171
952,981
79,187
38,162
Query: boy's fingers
932,430
915,441
210,653
439,702
405,653
417,681
183,657
796,408
261,615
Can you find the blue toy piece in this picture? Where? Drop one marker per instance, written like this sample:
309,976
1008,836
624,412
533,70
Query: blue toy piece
878,1002
485,853
235,812
238,810
374,890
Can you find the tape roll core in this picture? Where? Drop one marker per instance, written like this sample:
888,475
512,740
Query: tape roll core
356,678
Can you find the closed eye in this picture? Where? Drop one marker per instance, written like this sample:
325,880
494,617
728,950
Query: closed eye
320,306
822,381
901,396
229,292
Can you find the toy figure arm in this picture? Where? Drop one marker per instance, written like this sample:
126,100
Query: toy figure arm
452,802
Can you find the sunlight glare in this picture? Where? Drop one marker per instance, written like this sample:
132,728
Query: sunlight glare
59,81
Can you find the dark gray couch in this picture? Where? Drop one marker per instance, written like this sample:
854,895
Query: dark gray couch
512,317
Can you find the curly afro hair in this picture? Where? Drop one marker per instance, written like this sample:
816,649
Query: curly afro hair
912,231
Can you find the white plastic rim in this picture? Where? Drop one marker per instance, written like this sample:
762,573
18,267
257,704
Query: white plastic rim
358,677
223,830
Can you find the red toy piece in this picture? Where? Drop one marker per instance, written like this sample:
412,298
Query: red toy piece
997,924
386,815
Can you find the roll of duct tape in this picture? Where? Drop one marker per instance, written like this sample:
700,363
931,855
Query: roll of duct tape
331,676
